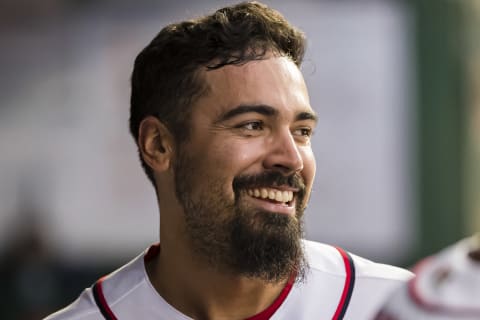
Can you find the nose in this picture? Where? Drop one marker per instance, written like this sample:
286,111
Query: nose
283,154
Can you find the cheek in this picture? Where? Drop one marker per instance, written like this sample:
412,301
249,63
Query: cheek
239,156
224,161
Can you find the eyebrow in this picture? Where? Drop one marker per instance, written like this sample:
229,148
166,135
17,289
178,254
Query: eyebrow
306,116
264,110
241,109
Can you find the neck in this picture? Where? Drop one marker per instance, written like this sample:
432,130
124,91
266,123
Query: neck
197,290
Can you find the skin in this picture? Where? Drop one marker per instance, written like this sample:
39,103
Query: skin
253,118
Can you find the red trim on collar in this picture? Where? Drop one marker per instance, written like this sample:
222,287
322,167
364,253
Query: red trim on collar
154,250
267,313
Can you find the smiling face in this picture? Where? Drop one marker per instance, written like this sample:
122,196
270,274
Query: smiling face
246,171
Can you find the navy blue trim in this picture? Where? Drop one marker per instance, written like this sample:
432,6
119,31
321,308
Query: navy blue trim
351,285
96,295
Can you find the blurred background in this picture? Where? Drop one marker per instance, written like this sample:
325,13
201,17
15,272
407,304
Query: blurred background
395,84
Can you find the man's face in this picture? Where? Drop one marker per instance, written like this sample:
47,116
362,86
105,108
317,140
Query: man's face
245,173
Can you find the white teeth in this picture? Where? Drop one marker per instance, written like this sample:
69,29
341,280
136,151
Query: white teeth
264,193
279,196
272,194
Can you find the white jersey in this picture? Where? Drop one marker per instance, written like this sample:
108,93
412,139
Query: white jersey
338,285
447,287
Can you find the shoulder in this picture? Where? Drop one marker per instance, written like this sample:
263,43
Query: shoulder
374,270
116,285
84,308
337,281
327,258
335,273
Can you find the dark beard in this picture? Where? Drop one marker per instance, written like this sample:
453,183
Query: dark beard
233,237
267,246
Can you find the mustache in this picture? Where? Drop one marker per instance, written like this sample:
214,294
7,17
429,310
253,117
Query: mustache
269,179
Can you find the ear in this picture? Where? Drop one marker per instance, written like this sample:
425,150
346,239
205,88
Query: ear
155,143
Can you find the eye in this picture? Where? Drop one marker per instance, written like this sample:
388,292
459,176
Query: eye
303,132
252,125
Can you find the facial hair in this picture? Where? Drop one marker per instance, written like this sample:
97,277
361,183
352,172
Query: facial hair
232,236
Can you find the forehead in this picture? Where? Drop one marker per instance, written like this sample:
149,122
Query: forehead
275,81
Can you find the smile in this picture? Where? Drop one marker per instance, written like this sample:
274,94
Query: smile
271,194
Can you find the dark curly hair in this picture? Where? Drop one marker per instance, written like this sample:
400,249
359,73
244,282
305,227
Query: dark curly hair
166,80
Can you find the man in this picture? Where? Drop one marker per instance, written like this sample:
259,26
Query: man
223,123
447,287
